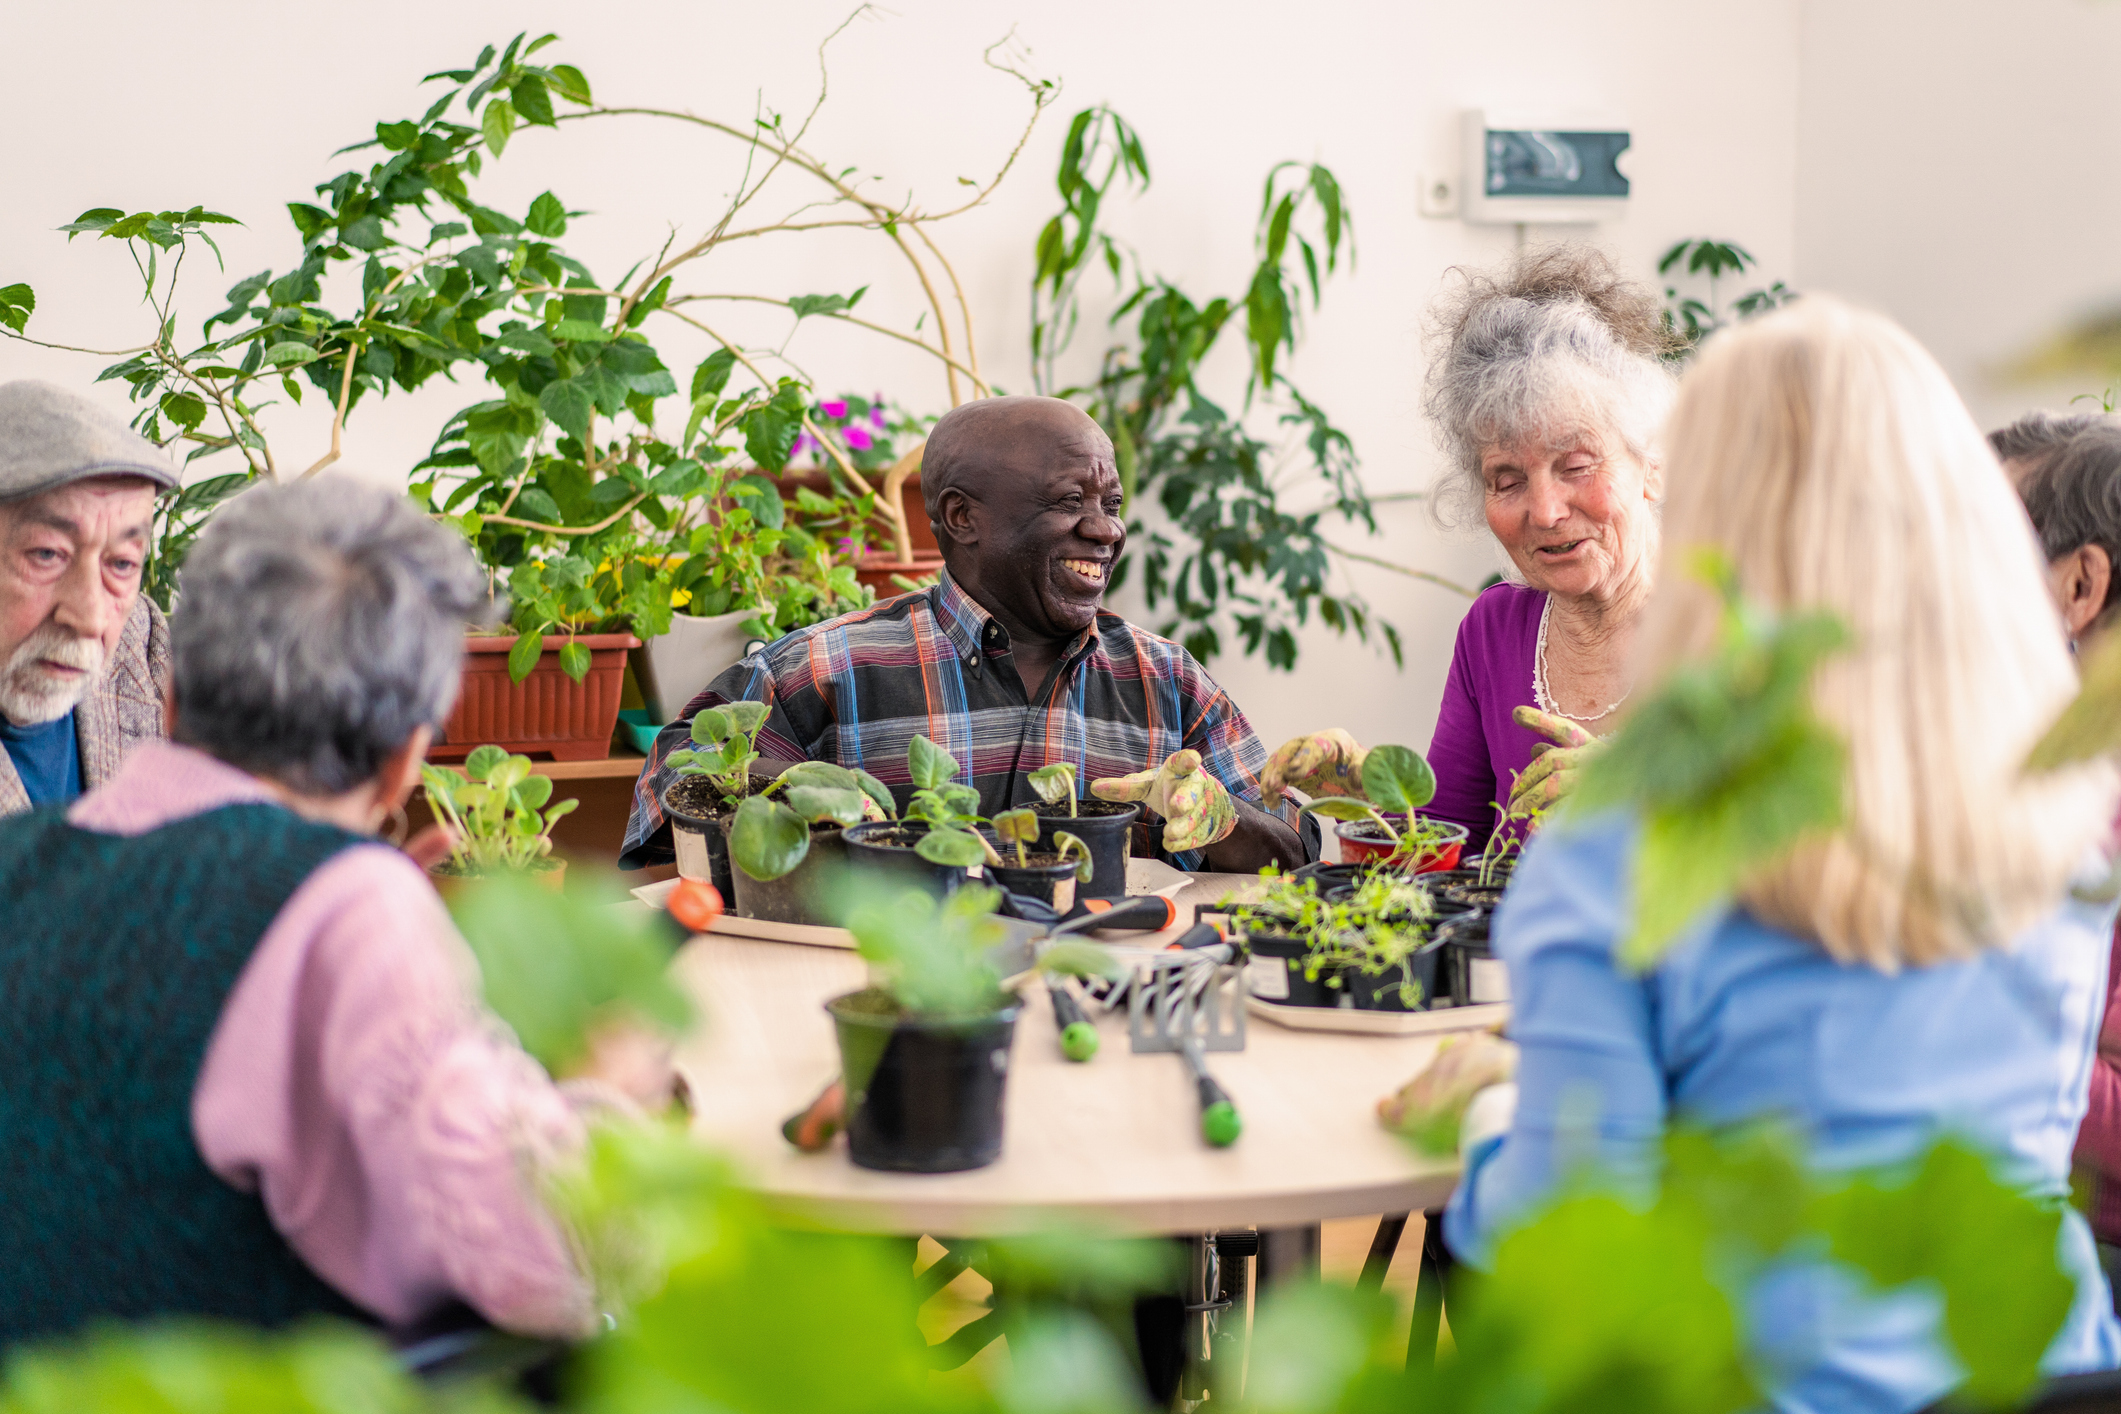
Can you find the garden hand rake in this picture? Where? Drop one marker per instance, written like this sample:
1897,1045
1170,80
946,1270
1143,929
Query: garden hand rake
1193,1002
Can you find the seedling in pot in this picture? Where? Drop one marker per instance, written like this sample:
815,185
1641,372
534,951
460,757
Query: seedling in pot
946,806
1372,933
1056,783
1022,828
496,808
724,744
1395,779
770,837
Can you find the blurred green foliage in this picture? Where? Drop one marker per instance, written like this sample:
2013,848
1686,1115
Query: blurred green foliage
1726,764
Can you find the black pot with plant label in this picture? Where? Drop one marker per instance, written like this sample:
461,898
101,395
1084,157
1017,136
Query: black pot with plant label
1103,825
1046,877
1409,987
1476,976
885,848
923,1096
1279,972
698,820
803,894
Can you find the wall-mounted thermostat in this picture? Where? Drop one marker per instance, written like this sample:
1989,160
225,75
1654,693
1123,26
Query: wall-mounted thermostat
1541,170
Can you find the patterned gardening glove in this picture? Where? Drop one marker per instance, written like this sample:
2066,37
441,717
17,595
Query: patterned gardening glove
1323,763
1196,807
1429,1107
1552,773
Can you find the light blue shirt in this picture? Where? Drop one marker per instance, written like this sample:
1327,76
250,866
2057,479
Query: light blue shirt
1742,1022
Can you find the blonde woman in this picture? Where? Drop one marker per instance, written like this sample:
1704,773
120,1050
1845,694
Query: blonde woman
1935,977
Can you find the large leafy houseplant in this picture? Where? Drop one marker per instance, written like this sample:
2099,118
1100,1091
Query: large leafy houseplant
1244,540
596,501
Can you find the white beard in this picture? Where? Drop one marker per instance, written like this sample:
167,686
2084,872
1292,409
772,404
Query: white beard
30,696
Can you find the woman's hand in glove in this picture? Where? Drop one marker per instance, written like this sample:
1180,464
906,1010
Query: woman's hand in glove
1323,763
1552,773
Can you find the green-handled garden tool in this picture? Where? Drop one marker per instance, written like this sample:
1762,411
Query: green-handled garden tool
1193,1002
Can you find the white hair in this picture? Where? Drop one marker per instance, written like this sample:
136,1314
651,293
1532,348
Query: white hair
1557,347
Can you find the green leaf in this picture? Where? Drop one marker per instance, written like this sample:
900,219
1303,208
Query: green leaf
877,791
817,804
712,375
568,82
484,761
928,764
1397,779
523,655
1339,807
532,792
959,849
770,429
820,774
767,839
569,403
806,305
574,660
497,124
532,101
1054,782
1017,826
554,965
747,717
290,355
762,498
547,216
16,304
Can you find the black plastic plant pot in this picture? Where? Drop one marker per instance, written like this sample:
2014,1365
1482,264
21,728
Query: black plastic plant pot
697,832
1102,825
1474,895
1330,876
1272,953
883,849
922,1096
1476,975
1388,990
1052,883
803,894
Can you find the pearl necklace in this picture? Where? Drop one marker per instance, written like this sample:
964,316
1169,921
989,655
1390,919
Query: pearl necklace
1540,697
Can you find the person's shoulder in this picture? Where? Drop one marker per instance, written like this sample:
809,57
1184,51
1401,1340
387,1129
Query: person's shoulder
1129,647
1505,605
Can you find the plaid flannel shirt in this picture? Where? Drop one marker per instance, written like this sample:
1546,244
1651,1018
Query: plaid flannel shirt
856,689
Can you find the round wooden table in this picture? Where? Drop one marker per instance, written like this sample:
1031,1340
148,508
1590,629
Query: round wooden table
1114,1143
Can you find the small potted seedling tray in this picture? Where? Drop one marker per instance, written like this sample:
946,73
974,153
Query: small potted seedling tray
699,822
1103,825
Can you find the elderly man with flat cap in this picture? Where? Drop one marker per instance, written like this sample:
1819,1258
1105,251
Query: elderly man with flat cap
1010,662
83,657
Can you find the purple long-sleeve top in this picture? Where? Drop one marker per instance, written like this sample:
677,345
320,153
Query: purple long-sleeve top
1478,749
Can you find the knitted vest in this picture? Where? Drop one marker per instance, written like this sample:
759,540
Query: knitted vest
116,957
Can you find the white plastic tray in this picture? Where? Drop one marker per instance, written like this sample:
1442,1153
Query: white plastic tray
1381,1023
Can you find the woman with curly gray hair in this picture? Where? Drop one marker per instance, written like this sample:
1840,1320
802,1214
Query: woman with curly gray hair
1547,387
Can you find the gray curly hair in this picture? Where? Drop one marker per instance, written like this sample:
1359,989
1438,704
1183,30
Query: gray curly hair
1558,342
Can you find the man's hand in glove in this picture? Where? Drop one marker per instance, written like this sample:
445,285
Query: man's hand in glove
1197,810
1552,773
1323,763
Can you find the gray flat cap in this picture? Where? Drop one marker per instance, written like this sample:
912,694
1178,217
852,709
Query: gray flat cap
51,435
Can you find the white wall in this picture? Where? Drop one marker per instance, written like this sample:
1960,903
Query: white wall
122,109
1958,168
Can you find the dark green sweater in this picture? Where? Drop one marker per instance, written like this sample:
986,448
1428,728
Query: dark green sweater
116,957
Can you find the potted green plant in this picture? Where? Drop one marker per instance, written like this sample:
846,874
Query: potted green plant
501,815
1365,945
784,842
1048,875
1102,825
713,775
1385,823
924,1049
937,838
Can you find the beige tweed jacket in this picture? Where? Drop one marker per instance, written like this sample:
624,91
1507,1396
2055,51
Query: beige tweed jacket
122,711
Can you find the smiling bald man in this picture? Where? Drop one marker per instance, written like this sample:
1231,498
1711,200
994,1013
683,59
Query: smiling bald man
1011,661
83,657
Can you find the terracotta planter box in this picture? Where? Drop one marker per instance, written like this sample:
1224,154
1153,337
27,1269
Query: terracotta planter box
548,712
876,568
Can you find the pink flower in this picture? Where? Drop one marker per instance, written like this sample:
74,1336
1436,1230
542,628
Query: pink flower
858,438
876,413
834,410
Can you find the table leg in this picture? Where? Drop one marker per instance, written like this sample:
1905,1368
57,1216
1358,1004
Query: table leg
1229,1326
1288,1254
1382,1248
1436,1262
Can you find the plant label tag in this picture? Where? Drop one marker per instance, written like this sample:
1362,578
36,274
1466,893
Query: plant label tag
1268,978
1489,980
